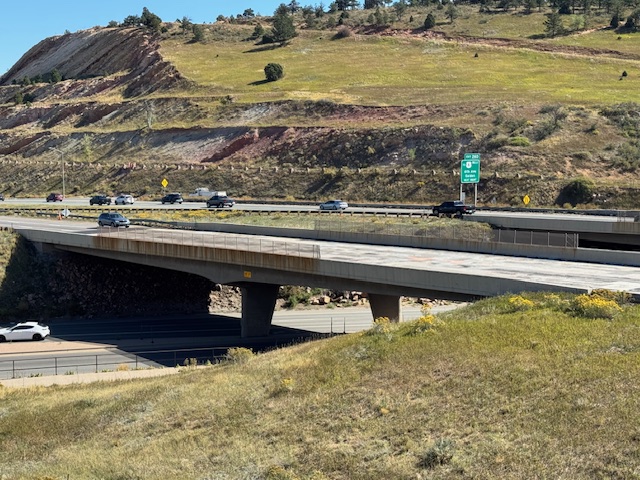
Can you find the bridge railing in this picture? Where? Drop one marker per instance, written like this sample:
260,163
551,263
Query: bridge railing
219,240
463,231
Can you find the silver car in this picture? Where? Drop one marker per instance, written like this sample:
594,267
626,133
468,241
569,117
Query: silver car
124,200
334,205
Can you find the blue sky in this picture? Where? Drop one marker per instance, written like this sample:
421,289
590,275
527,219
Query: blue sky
26,23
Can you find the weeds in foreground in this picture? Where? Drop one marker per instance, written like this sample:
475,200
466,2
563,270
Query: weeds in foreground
440,453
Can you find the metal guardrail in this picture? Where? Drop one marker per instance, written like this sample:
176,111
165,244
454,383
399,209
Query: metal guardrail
410,210
101,362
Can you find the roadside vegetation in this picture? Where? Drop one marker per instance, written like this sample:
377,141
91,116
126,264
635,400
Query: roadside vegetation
520,386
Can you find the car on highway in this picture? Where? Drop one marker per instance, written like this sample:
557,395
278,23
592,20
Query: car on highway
55,197
24,331
124,200
1,197
220,201
113,219
334,205
100,200
455,208
172,198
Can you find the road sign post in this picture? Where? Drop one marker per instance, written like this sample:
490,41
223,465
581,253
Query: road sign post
470,172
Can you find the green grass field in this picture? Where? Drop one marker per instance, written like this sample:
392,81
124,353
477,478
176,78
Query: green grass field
540,386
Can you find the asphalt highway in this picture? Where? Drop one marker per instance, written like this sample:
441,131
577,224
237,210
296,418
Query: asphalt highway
107,344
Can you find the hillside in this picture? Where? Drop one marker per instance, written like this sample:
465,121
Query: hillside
543,386
379,114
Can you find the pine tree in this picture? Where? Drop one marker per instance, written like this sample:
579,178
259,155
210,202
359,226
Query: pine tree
283,28
553,25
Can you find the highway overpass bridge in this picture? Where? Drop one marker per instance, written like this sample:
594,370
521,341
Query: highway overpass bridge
259,264
618,229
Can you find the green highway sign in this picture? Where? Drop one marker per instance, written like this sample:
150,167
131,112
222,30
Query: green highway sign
470,168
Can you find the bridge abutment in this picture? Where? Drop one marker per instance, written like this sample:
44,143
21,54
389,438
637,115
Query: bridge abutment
258,303
385,306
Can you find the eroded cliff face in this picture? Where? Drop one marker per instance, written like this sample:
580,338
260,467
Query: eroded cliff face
96,60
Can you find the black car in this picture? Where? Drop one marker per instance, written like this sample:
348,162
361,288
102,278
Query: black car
1,197
220,201
100,200
172,198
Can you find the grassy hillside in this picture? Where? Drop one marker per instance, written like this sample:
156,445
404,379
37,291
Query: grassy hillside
406,65
515,387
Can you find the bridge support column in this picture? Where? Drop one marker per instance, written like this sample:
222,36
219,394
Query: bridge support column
385,306
258,303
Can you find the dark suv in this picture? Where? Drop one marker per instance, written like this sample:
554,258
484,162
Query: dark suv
220,201
453,208
100,200
113,219
172,198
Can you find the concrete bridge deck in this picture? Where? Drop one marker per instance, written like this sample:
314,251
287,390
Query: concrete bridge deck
259,264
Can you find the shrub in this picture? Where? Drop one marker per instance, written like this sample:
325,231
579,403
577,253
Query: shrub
273,72
426,323
343,32
440,453
429,22
284,386
626,116
190,362
239,354
619,297
496,142
258,31
519,142
595,306
518,303
294,295
277,472
580,190
381,326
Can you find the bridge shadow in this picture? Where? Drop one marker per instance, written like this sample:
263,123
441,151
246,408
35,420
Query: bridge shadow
174,339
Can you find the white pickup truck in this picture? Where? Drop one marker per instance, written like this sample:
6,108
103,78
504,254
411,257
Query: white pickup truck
205,192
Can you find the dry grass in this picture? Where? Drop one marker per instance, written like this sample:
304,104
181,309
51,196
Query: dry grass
507,391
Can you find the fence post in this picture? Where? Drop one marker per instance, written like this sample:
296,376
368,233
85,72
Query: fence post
96,363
